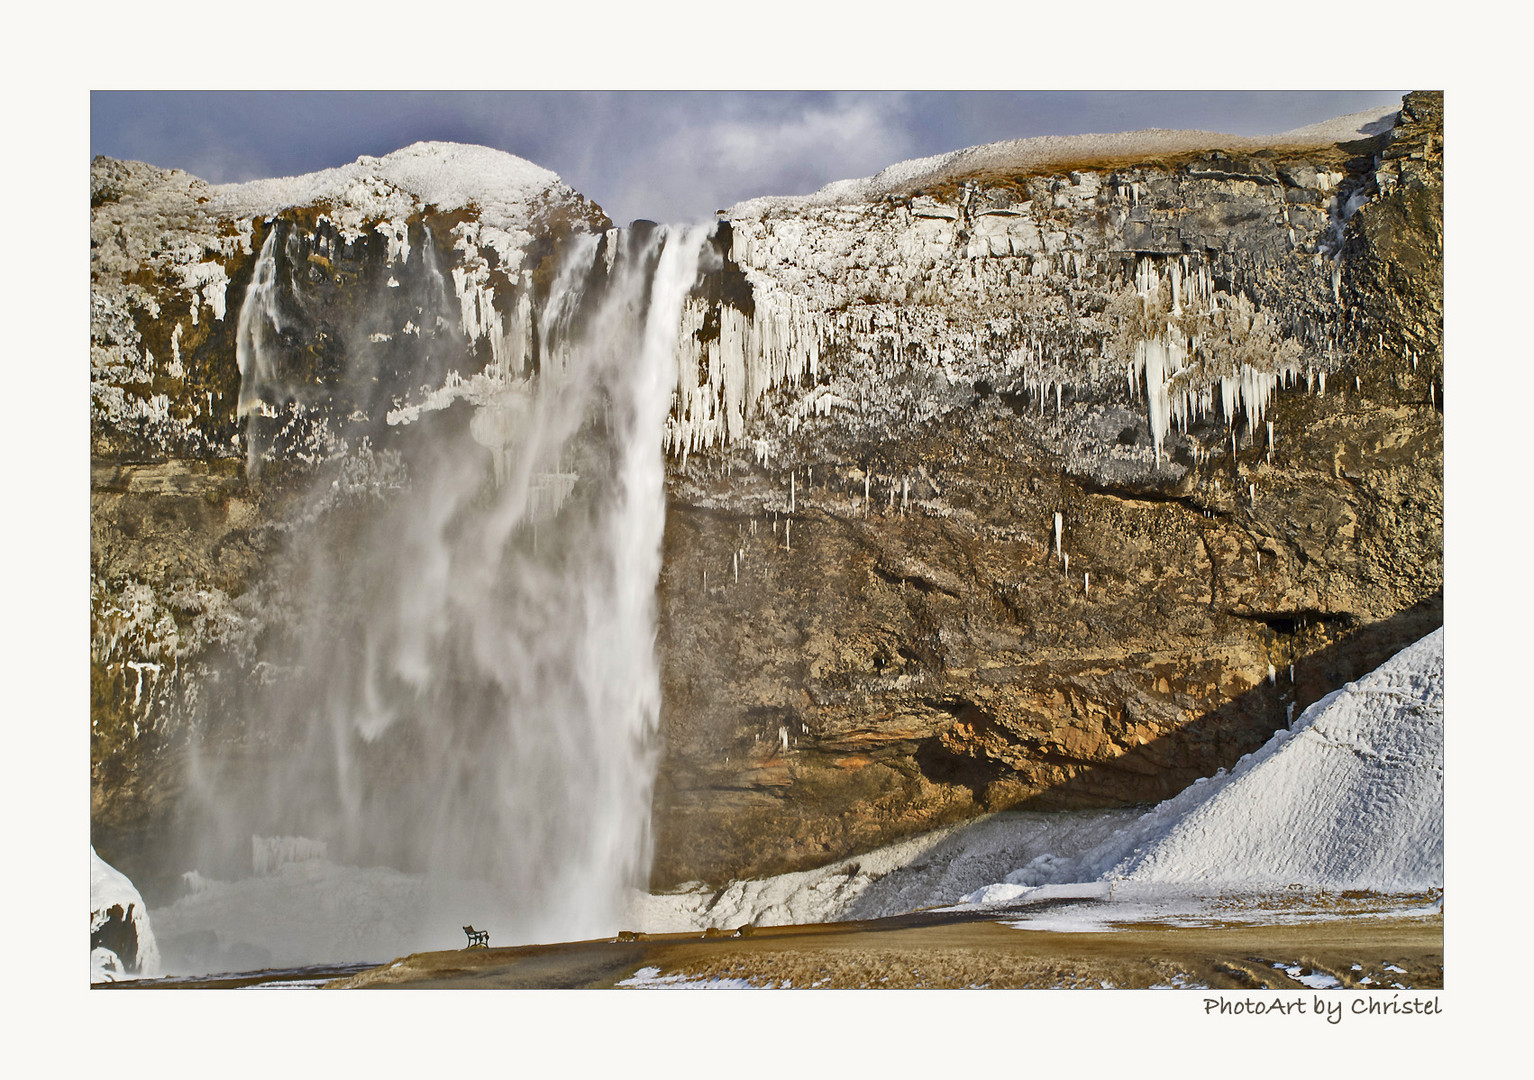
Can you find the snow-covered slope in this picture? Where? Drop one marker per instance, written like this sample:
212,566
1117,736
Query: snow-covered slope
1350,798
505,189
122,944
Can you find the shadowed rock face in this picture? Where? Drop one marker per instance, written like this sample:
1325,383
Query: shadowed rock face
867,628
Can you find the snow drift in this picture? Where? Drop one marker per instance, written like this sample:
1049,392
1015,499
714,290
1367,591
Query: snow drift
1350,798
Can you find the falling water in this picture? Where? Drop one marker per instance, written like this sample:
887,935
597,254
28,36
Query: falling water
469,694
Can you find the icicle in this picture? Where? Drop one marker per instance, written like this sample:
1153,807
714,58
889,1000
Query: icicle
1065,558
1291,673
1252,494
905,493
1086,585
790,493
788,534
1259,560
865,494
1058,526
735,566
1270,442
1432,398
1272,675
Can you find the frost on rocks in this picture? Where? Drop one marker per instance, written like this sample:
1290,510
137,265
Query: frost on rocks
882,301
1020,154
166,244
866,302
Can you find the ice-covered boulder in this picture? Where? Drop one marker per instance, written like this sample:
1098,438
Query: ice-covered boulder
122,944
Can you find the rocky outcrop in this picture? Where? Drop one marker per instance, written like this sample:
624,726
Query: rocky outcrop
1036,475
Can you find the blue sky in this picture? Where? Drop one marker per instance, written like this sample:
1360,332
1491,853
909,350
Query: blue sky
666,155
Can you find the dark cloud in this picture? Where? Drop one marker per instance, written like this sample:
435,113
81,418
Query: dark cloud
664,155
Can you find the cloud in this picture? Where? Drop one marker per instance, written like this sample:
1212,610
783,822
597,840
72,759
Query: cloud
705,152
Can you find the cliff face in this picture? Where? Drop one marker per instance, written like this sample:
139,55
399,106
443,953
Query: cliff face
995,552
1044,477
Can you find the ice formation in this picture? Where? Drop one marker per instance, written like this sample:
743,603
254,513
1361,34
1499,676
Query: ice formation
720,384
122,942
1192,338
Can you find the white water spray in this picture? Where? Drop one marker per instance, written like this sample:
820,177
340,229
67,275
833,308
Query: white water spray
456,700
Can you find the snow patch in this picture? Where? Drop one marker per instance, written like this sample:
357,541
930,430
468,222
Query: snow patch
650,978
122,942
389,189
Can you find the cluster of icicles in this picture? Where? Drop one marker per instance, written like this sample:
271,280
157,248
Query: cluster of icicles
1179,379
720,382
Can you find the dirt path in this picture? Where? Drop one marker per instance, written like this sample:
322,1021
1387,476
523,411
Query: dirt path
953,951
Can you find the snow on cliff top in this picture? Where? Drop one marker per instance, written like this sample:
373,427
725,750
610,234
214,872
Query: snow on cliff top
1019,154
446,175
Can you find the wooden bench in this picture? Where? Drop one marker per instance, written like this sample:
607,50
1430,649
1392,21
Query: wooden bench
479,938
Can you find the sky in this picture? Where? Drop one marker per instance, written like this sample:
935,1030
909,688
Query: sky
670,156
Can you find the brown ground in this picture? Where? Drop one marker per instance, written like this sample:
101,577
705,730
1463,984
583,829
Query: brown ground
949,951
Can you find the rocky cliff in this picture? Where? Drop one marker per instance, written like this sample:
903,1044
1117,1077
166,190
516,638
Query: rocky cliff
1107,459
1048,474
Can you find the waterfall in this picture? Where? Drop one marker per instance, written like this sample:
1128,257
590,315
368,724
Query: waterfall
469,692
260,321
